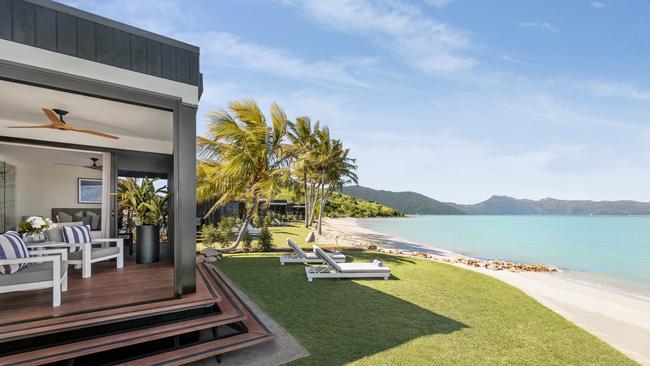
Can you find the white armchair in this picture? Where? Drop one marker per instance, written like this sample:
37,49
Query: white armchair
97,251
49,268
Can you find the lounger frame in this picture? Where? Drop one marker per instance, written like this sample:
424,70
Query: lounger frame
329,272
296,258
333,270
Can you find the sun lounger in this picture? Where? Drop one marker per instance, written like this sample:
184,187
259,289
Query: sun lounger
344,270
300,256
252,231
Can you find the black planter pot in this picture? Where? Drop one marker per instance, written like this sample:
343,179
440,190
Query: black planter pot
147,248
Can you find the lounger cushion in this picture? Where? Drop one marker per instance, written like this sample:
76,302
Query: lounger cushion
362,268
95,253
335,256
37,272
299,251
326,258
12,246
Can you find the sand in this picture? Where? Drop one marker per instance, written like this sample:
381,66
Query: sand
620,320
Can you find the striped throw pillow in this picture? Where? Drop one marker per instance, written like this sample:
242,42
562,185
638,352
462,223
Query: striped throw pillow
12,246
76,235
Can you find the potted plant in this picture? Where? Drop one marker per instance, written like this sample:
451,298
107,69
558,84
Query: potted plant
34,229
149,206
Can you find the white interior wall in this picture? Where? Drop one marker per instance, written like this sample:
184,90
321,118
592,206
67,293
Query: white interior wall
39,188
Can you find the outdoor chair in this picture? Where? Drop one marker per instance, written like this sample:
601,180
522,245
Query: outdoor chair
300,256
39,269
344,270
83,255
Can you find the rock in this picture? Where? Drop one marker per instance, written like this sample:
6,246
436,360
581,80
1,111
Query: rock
200,258
211,259
210,252
311,237
372,247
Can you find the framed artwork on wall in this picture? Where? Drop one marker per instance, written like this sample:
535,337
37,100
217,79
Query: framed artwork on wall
89,190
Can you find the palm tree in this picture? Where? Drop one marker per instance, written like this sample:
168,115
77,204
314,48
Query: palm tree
338,169
301,136
242,158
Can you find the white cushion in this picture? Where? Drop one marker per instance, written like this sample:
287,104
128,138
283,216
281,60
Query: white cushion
12,246
76,235
362,268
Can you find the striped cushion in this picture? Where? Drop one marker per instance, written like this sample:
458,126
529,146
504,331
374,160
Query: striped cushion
12,246
76,235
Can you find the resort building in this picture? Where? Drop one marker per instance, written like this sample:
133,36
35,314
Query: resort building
85,101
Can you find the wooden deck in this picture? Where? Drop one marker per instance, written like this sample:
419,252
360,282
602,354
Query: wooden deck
138,293
108,287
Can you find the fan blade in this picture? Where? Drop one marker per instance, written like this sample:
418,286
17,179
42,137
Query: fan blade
80,166
50,114
91,132
93,167
39,126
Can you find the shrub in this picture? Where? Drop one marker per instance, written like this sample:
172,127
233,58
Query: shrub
268,219
265,241
246,241
211,235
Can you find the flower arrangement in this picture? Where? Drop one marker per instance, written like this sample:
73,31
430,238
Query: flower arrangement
34,228
35,225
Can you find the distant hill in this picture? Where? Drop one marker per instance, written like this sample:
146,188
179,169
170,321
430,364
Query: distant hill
418,204
341,205
407,202
504,205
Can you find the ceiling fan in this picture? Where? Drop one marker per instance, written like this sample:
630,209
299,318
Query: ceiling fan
58,123
94,165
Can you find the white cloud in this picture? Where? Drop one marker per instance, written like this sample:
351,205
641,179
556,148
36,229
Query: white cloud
597,4
511,59
158,16
225,49
539,25
438,3
417,40
620,90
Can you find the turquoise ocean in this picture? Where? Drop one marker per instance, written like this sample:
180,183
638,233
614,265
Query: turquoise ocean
606,251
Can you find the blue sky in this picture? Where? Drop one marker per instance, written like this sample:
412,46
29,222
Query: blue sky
455,99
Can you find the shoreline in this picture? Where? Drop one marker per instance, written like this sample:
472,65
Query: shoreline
621,320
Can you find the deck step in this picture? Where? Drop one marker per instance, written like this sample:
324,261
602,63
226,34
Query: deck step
204,350
167,339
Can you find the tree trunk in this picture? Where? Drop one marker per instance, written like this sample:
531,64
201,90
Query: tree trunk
323,199
247,220
306,197
315,190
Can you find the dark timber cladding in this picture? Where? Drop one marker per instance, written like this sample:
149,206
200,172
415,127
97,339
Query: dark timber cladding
59,28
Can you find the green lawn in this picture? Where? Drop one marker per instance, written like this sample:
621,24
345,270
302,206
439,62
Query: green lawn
428,313
295,232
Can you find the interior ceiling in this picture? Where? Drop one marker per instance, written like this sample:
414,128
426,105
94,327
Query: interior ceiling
139,128
32,155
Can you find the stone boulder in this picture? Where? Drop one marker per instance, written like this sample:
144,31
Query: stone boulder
211,259
210,252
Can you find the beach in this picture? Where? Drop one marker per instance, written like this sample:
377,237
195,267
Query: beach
620,320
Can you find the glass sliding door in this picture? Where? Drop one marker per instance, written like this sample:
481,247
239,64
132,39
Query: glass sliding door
7,197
